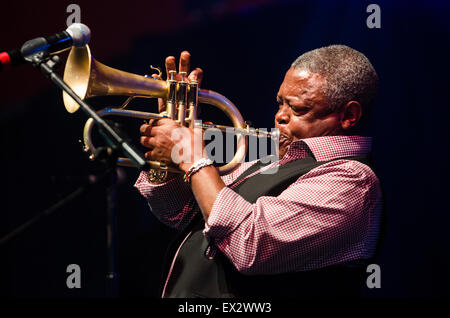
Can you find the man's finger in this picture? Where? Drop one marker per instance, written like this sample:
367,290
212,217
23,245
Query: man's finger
196,75
146,129
147,141
185,62
152,121
148,155
170,65
161,121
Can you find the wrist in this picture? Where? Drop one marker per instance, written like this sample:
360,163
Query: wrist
196,167
185,166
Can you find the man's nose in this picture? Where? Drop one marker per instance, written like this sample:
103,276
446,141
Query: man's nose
282,116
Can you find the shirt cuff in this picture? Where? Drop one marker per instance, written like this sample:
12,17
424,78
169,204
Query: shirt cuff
228,212
143,180
168,196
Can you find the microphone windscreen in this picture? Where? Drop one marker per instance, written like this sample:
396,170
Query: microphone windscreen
80,34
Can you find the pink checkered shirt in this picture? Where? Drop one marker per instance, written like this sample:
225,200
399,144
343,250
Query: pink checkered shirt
329,216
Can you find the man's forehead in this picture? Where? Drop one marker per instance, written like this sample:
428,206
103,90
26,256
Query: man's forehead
301,74
302,79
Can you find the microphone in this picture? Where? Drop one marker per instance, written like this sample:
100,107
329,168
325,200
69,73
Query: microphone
77,34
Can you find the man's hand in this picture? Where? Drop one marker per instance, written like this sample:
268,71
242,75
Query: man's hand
184,66
168,141
172,143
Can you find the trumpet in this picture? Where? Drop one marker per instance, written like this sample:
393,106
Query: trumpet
89,78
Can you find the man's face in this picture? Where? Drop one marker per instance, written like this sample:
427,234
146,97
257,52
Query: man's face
303,109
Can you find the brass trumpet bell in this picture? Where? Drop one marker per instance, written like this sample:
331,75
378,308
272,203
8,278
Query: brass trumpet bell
88,78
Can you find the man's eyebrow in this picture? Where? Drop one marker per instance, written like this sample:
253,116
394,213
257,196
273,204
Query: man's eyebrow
284,99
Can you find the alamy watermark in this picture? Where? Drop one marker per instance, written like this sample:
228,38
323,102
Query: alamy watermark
373,21
374,279
74,279
75,14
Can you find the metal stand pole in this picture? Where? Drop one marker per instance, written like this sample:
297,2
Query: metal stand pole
112,284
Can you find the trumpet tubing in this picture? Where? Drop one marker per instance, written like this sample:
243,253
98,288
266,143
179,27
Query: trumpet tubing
89,78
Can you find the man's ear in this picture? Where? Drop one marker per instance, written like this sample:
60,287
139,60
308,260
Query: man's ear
350,115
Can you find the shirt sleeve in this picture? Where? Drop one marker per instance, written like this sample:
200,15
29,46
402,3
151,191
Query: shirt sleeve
321,219
172,201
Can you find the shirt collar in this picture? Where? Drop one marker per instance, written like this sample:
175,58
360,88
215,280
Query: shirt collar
329,147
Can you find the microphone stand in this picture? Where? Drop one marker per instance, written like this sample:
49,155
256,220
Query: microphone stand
105,155
48,65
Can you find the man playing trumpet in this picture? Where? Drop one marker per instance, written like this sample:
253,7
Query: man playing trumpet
308,228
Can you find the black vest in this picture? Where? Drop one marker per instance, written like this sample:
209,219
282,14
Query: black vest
195,275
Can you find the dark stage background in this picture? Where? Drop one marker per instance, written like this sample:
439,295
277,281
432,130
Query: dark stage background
244,47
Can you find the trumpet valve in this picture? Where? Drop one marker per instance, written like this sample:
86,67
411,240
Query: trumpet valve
192,100
182,99
171,98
